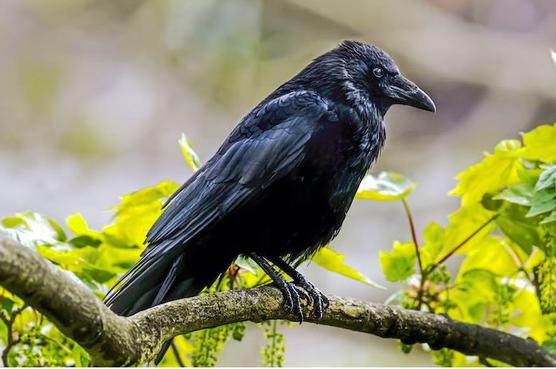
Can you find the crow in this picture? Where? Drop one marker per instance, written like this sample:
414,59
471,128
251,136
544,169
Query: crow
279,187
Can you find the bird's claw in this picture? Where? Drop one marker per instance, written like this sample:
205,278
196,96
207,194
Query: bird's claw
292,299
294,292
303,294
316,297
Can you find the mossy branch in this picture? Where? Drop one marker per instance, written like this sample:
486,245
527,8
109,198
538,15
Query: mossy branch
115,341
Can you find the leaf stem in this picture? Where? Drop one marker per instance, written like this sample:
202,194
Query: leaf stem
517,260
413,234
177,355
462,243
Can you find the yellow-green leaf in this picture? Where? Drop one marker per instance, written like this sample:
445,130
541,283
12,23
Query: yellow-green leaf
540,144
490,175
463,223
474,291
136,213
492,255
387,186
77,224
32,229
190,156
399,263
434,243
527,314
334,261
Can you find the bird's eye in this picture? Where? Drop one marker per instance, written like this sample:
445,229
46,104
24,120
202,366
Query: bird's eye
378,72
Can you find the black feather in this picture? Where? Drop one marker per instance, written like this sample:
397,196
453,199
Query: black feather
279,186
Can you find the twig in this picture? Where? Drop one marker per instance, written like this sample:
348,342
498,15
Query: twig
422,272
176,352
9,322
462,243
413,233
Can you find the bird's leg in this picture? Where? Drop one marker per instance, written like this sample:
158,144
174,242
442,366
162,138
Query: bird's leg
289,290
317,297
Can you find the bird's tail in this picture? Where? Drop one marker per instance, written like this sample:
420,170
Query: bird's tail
153,282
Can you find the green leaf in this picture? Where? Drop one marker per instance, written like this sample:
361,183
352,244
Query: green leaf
98,274
550,345
542,202
6,303
494,172
136,214
490,203
32,229
77,224
247,263
518,194
475,290
399,263
492,255
547,178
387,186
434,243
334,261
550,218
85,236
190,156
527,314
518,228
83,241
463,223
540,144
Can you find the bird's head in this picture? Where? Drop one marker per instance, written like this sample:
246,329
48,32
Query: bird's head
366,74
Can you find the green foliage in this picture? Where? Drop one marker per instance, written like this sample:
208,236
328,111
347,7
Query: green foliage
505,234
493,173
274,351
98,257
208,343
545,274
443,357
189,155
387,186
398,264
433,236
539,144
333,261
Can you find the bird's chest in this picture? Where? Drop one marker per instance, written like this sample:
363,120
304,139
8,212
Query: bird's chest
338,157
308,207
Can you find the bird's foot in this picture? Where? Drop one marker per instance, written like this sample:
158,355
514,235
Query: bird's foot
315,296
292,299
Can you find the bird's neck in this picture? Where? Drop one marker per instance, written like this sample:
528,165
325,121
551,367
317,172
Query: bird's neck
370,110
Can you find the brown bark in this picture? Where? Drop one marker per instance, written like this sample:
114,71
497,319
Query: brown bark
115,341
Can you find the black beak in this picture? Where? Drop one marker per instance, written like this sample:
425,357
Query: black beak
403,91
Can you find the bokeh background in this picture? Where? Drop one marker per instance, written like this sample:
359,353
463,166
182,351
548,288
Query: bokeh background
95,94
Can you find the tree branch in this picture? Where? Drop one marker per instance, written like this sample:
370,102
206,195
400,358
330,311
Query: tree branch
115,341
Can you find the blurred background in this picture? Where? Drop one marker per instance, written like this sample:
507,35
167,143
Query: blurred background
95,95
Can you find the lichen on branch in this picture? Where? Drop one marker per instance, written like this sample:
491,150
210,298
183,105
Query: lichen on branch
116,341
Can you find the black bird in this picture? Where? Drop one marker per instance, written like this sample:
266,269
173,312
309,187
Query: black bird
279,187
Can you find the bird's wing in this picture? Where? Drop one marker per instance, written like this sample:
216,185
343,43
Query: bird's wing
267,145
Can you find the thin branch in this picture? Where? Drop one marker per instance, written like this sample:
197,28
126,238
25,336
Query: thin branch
11,341
467,239
115,341
177,355
422,272
413,233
